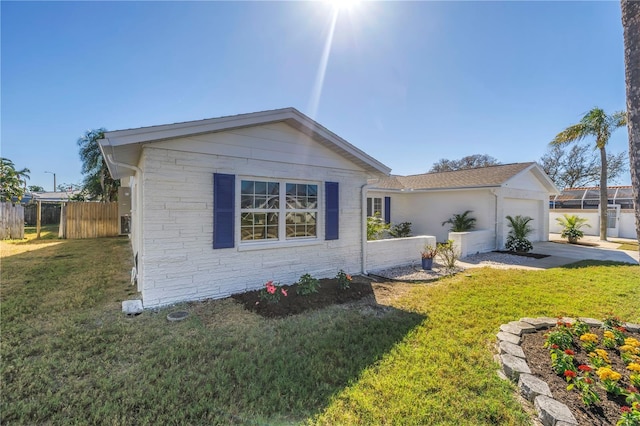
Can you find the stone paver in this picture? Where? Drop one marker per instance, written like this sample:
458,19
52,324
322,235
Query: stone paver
508,337
531,386
592,322
550,411
511,349
514,366
540,323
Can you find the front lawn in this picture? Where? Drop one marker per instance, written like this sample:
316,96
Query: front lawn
70,356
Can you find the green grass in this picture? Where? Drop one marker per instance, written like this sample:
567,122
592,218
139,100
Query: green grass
70,356
627,245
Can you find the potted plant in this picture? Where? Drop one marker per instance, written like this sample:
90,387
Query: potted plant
428,253
571,227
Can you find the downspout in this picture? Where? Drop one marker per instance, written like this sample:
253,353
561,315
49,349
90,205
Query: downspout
363,216
495,226
139,172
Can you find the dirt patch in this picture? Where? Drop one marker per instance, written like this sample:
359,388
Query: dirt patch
523,254
328,294
607,411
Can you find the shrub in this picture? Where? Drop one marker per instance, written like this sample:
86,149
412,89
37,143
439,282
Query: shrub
520,229
344,280
376,227
461,222
448,255
307,285
401,230
571,227
271,292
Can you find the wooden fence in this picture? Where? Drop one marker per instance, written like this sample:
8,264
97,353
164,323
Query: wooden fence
89,220
11,221
49,214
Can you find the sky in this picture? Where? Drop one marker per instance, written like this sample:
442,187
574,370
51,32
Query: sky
408,83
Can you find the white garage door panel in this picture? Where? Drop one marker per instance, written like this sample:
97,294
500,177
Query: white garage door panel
531,208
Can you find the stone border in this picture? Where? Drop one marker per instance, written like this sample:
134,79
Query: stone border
515,368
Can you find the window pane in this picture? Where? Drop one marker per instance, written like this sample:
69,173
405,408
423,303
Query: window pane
259,226
247,187
301,196
261,188
300,225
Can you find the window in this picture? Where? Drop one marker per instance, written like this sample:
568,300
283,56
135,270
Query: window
374,205
272,210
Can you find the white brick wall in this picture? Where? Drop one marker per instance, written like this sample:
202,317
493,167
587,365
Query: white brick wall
468,243
178,261
397,251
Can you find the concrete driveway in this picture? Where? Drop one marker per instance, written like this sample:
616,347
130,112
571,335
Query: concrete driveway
559,253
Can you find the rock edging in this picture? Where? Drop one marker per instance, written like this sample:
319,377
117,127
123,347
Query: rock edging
515,368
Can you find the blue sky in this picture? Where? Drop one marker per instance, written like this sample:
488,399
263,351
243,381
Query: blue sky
407,82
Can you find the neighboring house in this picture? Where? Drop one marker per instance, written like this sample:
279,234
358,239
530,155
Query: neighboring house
220,206
427,200
584,202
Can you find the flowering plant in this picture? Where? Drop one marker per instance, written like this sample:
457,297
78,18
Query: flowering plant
429,252
344,280
271,292
630,415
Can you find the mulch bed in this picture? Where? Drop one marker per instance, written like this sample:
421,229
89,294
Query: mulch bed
293,304
605,412
523,254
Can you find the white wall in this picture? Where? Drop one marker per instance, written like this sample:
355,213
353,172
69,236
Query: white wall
473,242
177,259
396,251
427,210
626,226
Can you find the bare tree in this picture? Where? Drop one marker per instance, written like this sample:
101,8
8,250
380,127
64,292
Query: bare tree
580,166
469,162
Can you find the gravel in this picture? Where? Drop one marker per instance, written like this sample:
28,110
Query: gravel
414,272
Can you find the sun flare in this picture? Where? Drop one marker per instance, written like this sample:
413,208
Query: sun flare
343,4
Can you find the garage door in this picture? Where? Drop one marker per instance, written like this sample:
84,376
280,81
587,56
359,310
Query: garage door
531,208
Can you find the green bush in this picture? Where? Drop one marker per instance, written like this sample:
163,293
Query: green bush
520,229
307,285
400,230
447,254
376,227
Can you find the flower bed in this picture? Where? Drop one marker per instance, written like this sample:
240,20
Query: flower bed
595,371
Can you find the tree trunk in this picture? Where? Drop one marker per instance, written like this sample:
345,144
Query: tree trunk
631,27
604,199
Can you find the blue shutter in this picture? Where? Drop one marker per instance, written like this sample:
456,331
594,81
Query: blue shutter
224,189
387,209
332,211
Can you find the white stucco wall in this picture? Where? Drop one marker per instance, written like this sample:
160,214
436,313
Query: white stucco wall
177,259
626,225
473,242
396,251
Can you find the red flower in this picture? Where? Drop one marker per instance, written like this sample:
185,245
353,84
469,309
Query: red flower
554,346
569,352
621,329
584,367
632,389
284,292
588,381
567,324
569,373
625,409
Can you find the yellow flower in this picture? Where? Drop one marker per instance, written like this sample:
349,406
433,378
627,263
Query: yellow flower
589,337
603,354
609,335
634,367
630,349
632,342
605,373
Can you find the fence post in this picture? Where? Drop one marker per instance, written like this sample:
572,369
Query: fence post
38,219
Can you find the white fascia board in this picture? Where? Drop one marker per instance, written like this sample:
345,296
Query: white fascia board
424,190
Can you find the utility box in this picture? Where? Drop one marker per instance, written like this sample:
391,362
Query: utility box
124,209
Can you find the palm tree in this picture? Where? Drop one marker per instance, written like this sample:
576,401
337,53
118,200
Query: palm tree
461,222
571,225
598,124
520,229
98,182
13,183
631,26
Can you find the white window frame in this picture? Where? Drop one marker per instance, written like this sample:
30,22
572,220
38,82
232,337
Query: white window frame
371,202
282,240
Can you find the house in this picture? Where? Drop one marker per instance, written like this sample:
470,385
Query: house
584,202
427,200
220,206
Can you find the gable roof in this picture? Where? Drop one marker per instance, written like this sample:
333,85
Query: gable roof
123,147
482,177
